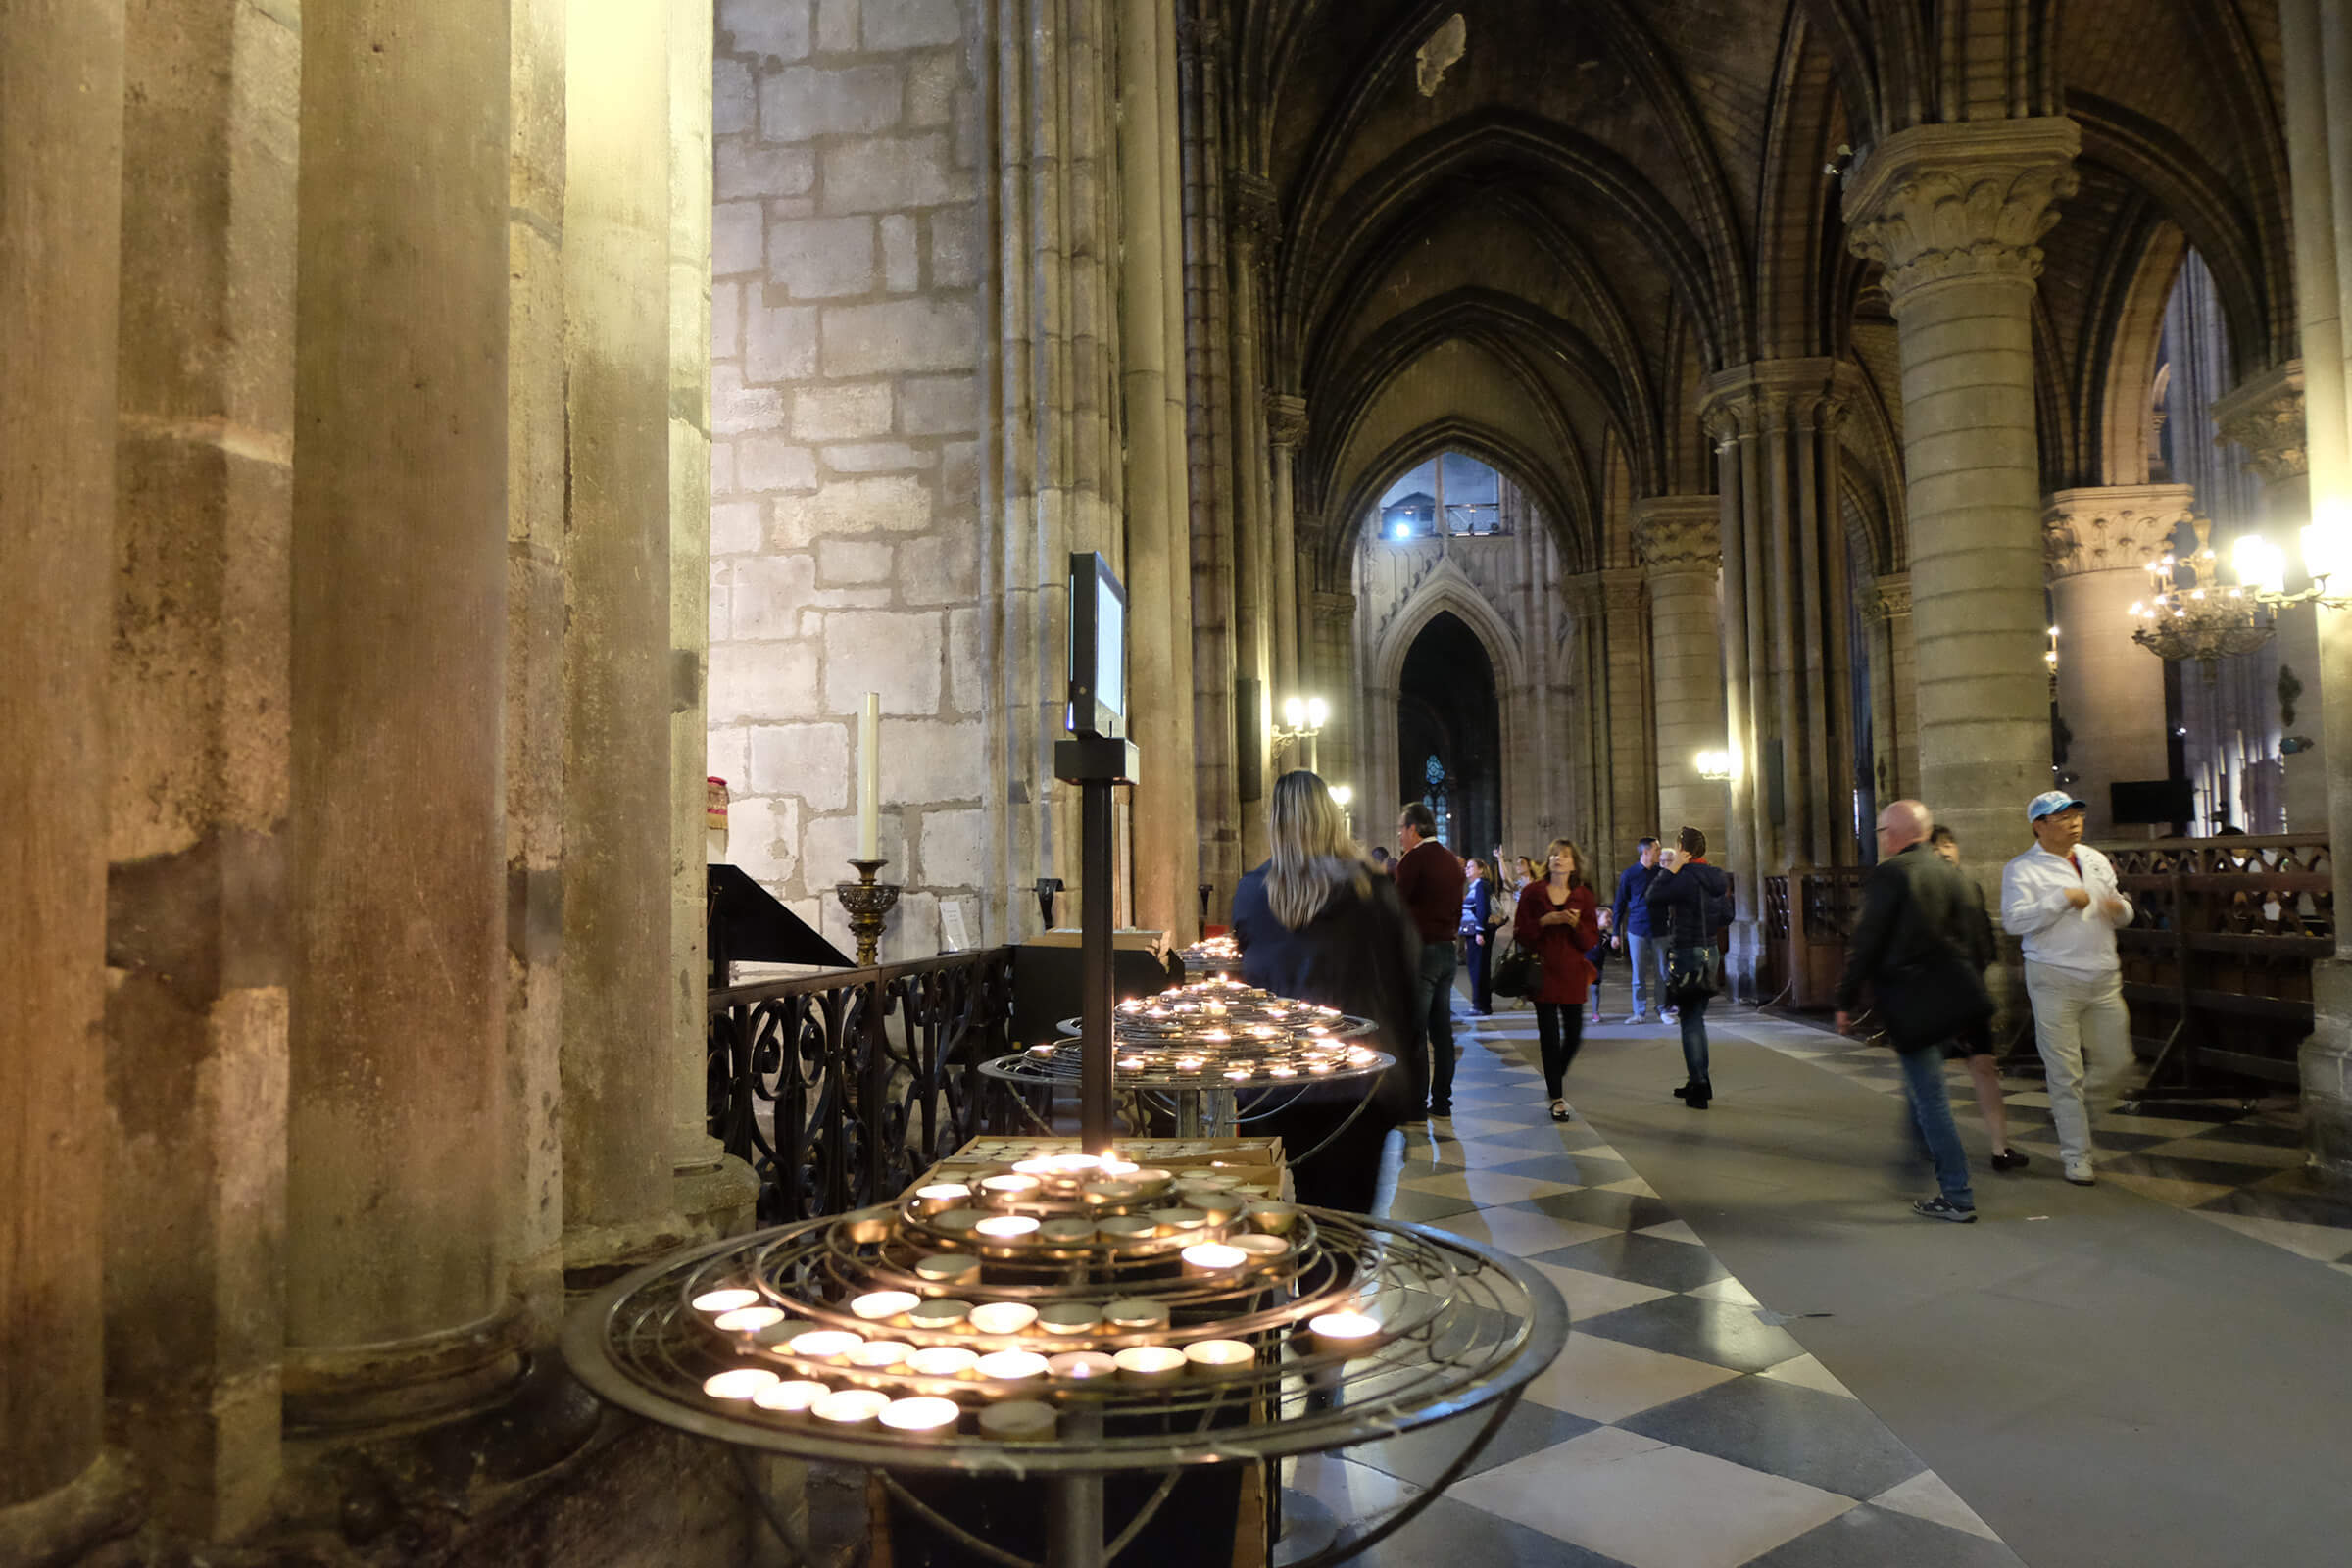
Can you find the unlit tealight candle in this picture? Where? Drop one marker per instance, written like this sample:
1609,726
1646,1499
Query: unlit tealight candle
1018,1421
824,1344
1213,1258
875,1305
947,1268
942,1361
879,1354
1136,1314
1007,1228
1003,1317
1012,1366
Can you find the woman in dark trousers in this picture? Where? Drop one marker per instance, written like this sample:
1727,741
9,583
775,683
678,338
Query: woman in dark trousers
1477,934
1686,900
1558,919
1316,922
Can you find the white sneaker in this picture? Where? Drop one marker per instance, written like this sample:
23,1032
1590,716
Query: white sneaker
2079,1172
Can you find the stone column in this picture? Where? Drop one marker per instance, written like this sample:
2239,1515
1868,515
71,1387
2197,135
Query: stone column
2110,689
1679,541
61,191
197,704
2264,418
1255,231
1625,717
1332,673
2318,119
397,1301
1953,210
1286,432
1894,688
1158,549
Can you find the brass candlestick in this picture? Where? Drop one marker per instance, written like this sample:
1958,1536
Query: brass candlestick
867,901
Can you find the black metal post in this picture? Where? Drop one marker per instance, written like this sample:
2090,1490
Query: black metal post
1095,989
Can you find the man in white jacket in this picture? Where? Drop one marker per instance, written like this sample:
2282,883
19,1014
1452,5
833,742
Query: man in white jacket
2061,897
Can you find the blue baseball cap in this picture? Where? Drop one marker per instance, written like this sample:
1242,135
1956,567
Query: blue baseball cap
2050,803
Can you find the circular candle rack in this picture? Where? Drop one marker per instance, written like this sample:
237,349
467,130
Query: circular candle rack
1197,1048
1070,1318
1212,955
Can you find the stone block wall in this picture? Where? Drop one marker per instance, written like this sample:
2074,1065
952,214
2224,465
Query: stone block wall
845,519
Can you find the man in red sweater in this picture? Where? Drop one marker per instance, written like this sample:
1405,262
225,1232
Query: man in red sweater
1430,877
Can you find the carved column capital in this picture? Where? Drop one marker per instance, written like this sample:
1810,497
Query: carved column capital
1766,395
2265,416
1674,535
1286,418
2112,529
1254,210
1944,203
1335,613
1890,596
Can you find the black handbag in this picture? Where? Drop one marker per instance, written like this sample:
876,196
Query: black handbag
1519,974
1694,974
1937,998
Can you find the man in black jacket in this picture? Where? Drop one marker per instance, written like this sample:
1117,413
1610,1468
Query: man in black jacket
1909,945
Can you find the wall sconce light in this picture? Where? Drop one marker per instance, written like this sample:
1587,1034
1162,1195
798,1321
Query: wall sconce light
1717,766
1342,795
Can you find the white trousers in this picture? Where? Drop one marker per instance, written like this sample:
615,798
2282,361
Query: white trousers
2075,1009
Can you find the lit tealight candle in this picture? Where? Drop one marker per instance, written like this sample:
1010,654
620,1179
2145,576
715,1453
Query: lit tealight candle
1012,1186
1070,1317
1003,1317
941,1312
942,1361
824,1344
923,1415
875,1305
1079,1365
940,1197
947,1268
879,1355
739,1383
1010,1366
1018,1421
1343,1333
728,1301
1112,1165
748,1319
850,1408
1206,1258
1149,1364
1219,1355
1008,1229
792,1397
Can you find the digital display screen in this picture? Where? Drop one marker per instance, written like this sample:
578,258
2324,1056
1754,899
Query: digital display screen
1098,648
1110,648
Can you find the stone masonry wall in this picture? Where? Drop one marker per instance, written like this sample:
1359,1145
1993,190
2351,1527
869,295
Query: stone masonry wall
844,523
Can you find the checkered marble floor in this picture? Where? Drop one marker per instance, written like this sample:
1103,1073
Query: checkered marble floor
2238,1168
1682,1427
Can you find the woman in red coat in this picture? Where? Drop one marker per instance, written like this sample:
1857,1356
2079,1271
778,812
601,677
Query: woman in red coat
1559,920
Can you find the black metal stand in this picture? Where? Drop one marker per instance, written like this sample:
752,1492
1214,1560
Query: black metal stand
1095,762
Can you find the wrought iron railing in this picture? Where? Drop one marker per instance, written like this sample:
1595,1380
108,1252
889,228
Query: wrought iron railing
840,1088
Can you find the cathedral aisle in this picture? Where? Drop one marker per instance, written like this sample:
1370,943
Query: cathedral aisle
1683,1427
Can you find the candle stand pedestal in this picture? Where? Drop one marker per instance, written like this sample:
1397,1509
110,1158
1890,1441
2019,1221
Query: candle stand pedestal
867,901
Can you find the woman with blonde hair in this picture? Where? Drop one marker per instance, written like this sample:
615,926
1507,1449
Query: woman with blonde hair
1558,919
1316,922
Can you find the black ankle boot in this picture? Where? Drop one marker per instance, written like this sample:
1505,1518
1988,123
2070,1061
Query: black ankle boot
1696,1093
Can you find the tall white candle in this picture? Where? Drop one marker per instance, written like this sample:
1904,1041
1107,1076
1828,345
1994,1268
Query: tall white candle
870,779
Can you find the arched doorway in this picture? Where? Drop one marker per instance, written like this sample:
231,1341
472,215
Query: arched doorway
1450,734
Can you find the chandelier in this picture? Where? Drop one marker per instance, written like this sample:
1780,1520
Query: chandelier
2191,613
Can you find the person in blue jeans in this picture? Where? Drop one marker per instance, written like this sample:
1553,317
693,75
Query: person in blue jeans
1688,903
1629,923
1912,934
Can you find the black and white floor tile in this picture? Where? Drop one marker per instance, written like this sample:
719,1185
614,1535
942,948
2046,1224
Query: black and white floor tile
1680,1427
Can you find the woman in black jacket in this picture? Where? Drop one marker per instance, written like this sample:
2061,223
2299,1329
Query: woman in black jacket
1316,922
1687,907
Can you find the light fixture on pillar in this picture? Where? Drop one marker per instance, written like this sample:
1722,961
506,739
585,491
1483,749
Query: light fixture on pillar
1716,766
1303,720
2051,658
2191,613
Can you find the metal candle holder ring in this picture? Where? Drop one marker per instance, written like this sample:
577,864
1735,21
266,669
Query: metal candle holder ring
867,901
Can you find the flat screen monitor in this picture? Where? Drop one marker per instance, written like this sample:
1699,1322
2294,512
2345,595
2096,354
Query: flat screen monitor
1098,648
2167,801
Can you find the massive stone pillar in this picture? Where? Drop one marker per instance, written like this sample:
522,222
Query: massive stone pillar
1627,736
1254,233
197,704
1286,431
618,1028
61,189
2317,48
1679,543
1158,549
397,1296
2263,416
1953,210
2110,689
1330,669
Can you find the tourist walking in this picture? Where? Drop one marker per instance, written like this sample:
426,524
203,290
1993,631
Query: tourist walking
1559,921
1975,1043
1688,903
1913,944
2061,897
1477,934
1632,933
1316,922
1428,875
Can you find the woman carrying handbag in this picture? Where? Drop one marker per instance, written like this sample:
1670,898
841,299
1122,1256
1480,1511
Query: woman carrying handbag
1558,924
